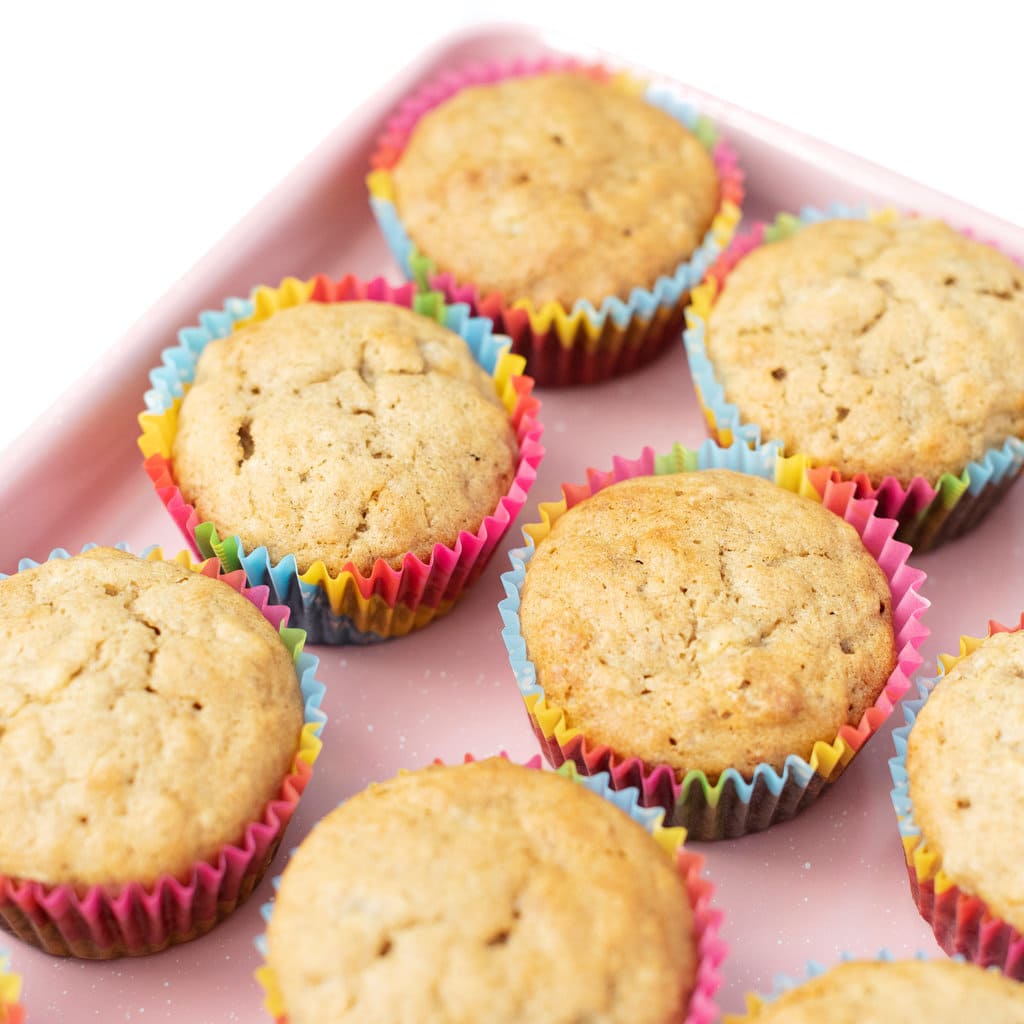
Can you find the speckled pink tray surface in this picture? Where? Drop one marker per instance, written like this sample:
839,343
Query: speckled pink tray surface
832,879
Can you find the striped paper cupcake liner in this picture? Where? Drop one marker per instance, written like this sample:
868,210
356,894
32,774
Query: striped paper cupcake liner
733,804
349,607
962,922
106,921
929,512
711,950
585,343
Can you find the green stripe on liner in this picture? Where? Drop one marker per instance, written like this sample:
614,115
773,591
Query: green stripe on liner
422,267
705,131
952,488
206,537
785,226
430,304
678,460
211,546
294,639
712,793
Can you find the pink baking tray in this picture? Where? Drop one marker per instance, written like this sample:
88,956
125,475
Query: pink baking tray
833,879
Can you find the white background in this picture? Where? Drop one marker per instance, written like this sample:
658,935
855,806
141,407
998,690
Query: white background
136,134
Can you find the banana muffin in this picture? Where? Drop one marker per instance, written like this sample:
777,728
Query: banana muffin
343,432
706,621
965,774
554,186
483,891
884,347
148,714
878,992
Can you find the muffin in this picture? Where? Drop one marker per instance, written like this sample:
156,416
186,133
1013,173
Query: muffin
960,796
883,348
710,635
877,992
362,457
574,207
110,705
396,899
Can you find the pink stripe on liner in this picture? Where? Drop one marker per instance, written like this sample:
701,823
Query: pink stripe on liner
964,925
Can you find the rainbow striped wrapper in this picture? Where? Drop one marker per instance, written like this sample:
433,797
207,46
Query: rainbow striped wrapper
102,922
585,343
962,922
929,512
711,950
732,805
350,607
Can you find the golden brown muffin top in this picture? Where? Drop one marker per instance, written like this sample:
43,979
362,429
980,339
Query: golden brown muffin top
936,991
481,892
554,186
707,620
345,431
965,769
891,349
147,715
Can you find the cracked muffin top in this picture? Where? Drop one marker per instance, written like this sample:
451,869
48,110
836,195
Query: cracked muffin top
878,992
707,620
555,187
892,349
119,678
483,891
343,432
965,773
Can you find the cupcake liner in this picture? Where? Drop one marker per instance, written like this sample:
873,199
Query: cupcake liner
11,1010
711,950
782,983
349,608
583,344
929,512
962,922
103,922
734,805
